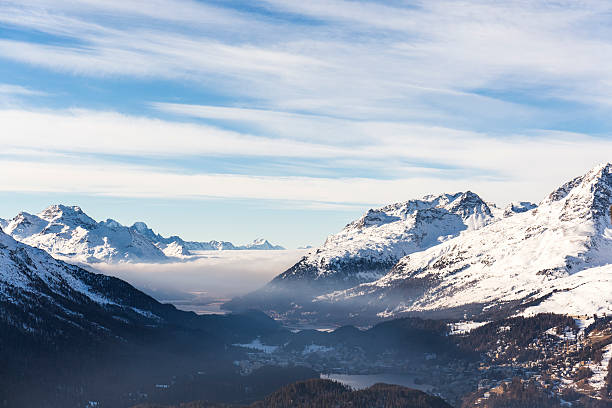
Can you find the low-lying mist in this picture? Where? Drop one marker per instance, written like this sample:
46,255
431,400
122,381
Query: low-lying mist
204,282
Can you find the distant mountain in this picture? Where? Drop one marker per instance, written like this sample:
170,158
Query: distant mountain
44,297
367,248
556,257
68,233
261,244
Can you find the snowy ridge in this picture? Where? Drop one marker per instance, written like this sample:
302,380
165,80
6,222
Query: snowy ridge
68,233
557,256
368,247
41,294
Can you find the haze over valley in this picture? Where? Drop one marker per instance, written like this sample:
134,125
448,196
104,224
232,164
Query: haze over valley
305,204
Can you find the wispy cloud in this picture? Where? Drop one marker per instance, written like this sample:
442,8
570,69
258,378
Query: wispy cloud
510,169
9,89
367,99
343,61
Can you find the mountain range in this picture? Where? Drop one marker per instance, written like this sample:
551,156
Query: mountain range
448,278
49,298
68,233
456,256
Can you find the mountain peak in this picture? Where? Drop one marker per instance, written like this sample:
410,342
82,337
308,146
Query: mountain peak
261,243
69,215
585,197
140,226
464,204
58,209
110,223
468,203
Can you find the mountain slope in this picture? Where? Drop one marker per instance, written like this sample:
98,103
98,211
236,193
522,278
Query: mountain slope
65,333
43,296
47,298
68,233
544,256
367,248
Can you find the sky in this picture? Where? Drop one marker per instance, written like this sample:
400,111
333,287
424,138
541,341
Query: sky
286,119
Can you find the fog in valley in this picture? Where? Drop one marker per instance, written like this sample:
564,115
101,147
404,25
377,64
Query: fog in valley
202,283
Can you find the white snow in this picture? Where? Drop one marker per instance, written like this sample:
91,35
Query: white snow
465,327
384,235
68,233
563,248
597,380
583,293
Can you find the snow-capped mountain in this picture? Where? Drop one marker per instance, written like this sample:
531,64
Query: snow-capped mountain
556,257
68,233
261,244
41,295
367,248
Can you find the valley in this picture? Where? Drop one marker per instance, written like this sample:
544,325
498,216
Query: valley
469,303
305,204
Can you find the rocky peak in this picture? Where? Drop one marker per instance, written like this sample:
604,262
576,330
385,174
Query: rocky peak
144,230
140,226
469,203
112,224
69,215
23,217
463,204
261,243
24,224
585,197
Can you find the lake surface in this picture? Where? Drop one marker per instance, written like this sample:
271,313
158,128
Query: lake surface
361,381
202,309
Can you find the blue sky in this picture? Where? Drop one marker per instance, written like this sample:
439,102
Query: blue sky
286,119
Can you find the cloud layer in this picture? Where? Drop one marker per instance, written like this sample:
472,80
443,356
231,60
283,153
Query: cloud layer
217,275
81,151
323,103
